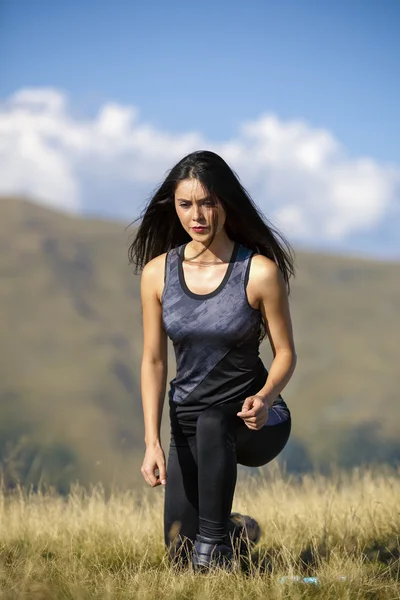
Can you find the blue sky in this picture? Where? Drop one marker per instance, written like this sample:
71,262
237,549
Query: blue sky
211,67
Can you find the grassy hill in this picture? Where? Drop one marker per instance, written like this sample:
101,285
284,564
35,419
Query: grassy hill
72,338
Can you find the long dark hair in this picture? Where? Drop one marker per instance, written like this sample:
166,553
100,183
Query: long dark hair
160,228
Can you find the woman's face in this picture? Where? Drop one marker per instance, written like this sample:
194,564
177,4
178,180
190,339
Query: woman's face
195,210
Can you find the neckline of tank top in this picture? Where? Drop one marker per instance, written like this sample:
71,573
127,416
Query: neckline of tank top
188,292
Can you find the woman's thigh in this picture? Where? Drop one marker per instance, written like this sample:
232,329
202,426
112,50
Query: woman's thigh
181,505
255,448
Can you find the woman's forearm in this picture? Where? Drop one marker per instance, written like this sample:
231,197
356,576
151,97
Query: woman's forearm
153,385
282,368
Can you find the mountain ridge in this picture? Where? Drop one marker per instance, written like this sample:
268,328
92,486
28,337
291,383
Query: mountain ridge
72,336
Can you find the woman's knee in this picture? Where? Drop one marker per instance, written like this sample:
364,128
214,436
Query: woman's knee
257,448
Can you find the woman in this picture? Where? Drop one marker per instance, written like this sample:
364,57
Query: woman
215,281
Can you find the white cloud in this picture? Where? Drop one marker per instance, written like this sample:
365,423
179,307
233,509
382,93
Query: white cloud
301,177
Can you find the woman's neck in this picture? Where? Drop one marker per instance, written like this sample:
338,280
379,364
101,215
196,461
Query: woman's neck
220,250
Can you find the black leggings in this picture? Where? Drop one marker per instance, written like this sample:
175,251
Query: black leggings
202,470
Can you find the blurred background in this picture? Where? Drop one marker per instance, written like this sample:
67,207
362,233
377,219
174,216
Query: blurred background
98,99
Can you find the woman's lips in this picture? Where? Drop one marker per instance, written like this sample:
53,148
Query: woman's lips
199,229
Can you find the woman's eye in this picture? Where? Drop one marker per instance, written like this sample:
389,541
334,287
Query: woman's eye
208,204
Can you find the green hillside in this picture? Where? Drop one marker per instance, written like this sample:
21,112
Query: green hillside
70,358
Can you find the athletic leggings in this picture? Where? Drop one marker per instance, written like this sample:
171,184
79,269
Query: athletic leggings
202,469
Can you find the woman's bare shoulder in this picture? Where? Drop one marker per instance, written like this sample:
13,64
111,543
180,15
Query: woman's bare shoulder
155,265
263,268
265,278
153,274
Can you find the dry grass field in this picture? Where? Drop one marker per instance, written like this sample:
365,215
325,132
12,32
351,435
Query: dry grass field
343,529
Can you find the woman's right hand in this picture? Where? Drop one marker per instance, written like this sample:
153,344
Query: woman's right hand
154,459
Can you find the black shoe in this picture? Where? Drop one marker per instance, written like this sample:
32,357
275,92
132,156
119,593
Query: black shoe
244,532
211,553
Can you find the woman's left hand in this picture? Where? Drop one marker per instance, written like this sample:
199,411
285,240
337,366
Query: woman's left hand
254,412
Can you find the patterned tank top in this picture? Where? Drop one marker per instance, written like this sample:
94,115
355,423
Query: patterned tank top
215,336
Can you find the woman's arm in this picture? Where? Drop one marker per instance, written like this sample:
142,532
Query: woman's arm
274,306
154,367
267,291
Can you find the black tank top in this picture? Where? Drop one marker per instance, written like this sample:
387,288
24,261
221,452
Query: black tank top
215,336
